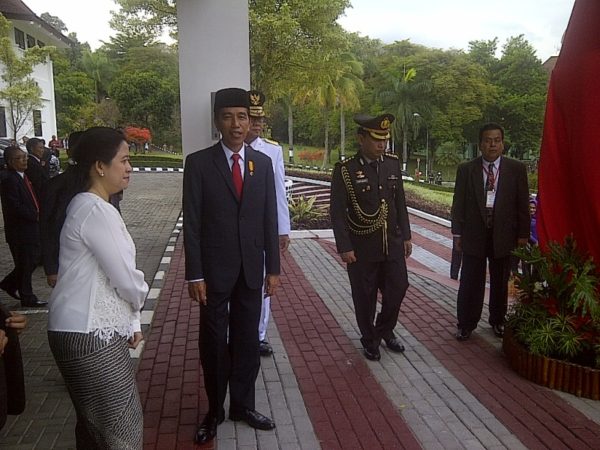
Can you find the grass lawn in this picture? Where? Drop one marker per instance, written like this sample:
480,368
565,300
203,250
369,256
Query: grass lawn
434,202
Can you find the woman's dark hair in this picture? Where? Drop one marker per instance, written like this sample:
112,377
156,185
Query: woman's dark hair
95,144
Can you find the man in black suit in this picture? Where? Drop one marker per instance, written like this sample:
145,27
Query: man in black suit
57,195
230,234
37,166
20,207
372,232
490,217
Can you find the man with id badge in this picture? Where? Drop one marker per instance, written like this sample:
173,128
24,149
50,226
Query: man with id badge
490,218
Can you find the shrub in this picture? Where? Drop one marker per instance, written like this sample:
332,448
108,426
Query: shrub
557,313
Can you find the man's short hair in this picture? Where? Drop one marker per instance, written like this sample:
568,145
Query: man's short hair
11,152
490,126
31,143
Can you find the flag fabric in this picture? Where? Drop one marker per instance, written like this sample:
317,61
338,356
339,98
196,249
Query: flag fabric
569,166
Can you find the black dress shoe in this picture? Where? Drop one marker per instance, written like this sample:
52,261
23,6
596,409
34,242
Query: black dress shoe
12,291
253,418
394,344
32,302
462,334
207,430
265,349
372,353
498,330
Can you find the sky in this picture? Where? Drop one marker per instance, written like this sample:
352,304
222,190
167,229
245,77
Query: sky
433,23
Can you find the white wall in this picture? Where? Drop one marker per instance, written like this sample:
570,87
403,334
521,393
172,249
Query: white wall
214,53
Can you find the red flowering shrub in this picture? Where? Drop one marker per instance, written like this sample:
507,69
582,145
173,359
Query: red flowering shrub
557,313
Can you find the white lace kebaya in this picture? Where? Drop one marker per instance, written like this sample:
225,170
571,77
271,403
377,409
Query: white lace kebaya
99,288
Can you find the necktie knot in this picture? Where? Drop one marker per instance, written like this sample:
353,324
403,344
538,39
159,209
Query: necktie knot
235,157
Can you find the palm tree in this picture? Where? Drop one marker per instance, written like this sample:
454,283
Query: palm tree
404,96
100,69
338,86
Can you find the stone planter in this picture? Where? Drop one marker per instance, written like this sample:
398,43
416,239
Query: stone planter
560,375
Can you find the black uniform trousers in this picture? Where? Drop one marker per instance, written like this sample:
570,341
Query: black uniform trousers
366,279
26,257
472,287
229,346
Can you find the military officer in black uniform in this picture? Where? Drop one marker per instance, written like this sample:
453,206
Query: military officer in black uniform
372,232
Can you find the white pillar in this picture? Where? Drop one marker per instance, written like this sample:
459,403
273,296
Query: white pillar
214,53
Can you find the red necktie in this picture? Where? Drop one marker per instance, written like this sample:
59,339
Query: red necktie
491,179
30,189
236,172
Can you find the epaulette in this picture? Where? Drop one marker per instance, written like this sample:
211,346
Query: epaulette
346,161
271,141
391,155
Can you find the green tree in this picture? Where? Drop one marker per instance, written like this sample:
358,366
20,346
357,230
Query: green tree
75,97
403,96
100,69
20,92
155,16
522,83
55,21
338,88
144,99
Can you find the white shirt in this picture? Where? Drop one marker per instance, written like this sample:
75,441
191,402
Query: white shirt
275,152
486,166
99,288
229,153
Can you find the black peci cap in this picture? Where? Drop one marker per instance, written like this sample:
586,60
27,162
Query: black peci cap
231,98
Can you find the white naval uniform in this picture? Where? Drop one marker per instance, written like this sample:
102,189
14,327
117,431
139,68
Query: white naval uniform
275,152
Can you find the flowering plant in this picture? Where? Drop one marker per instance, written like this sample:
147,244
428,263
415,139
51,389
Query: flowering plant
557,312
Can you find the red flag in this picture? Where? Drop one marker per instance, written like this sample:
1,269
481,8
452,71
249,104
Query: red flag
569,169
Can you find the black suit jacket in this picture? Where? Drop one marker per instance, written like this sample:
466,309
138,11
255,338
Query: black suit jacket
222,234
37,174
21,225
369,188
57,194
511,207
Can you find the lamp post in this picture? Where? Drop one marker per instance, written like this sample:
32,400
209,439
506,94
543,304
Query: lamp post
426,145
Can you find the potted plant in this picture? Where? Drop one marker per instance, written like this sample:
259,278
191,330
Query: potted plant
553,328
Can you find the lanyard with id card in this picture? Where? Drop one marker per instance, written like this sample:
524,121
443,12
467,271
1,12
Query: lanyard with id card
490,187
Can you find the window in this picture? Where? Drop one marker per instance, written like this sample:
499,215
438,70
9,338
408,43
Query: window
30,41
41,44
37,122
2,122
20,38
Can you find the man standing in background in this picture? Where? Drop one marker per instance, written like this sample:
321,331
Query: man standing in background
490,217
274,151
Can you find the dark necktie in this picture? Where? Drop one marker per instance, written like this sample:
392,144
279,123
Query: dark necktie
375,166
236,172
491,179
30,189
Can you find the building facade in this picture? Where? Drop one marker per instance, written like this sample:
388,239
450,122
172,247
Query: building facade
28,30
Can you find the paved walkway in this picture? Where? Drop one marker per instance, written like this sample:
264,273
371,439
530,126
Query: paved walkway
318,387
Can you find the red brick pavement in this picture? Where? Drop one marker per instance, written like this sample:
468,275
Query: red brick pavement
169,376
346,405
536,415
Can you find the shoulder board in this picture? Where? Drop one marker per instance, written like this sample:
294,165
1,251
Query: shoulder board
270,141
391,155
